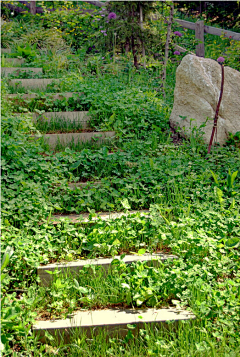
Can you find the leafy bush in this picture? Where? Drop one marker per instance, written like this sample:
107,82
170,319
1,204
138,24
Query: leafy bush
48,38
7,34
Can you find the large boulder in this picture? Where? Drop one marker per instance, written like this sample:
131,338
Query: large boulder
196,94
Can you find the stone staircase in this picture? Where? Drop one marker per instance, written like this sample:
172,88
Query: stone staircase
114,320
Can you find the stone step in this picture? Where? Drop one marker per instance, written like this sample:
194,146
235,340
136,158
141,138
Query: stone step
84,218
96,137
77,117
114,321
14,61
33,83
6,50
16,70
81,185
52,96
73,268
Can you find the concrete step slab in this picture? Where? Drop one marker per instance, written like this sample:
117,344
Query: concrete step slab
81,185
64,139
85,217
52,96
6,50
14,61
15,70
131,164
74,267
33,83
114,321
71,117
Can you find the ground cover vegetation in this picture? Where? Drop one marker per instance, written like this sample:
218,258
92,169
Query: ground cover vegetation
193,197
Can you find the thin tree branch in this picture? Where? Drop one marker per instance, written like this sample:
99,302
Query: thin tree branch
216,113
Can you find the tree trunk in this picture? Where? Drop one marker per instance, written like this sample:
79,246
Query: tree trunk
169,28
141,25
33,7
134,53
127,45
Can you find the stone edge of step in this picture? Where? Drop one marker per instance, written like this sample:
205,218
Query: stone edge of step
36,95
114,320
6,50
74,267
65,138
33,83
84,218
19,69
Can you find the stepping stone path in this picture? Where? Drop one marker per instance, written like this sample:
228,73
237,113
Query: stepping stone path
112,320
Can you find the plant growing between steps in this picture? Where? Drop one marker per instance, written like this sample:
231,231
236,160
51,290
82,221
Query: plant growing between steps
27,52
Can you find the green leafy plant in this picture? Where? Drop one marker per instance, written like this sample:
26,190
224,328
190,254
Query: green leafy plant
28,52
234,139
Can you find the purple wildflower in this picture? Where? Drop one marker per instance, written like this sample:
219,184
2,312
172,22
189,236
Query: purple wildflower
102,15
105,34
103,57
100,27
112,15
103,31
98,19
177,33
176,53
107,22
221,59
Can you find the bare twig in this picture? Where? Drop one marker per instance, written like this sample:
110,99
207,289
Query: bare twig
216,113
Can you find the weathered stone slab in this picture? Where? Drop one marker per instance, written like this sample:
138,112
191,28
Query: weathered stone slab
73,268
77,117
16,70
5,50
14,61
84,218
64,139
74,185
81,185
33,83
131,164
114,321
196,94
52,96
